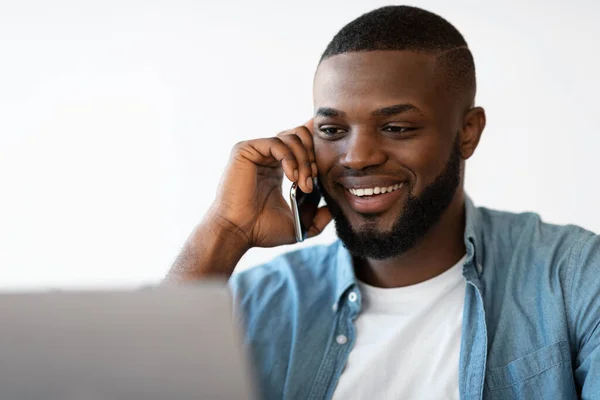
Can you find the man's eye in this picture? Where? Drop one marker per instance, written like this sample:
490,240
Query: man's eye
331,131
399,129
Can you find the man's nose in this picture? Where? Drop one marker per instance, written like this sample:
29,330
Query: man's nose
363,149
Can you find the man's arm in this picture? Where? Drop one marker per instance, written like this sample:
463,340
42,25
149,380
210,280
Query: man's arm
584,310
213,250
249,209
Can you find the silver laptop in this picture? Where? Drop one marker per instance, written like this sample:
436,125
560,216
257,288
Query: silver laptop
153,344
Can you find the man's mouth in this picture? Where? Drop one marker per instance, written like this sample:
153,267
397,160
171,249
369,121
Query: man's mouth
374,200
374,191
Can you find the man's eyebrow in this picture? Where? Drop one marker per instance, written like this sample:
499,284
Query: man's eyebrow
382,112
395,109
329,112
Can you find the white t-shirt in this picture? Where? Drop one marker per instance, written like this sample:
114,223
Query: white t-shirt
407,341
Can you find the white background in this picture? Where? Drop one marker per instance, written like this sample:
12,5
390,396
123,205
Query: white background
116,119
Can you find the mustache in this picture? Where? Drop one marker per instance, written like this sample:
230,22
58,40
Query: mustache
360,173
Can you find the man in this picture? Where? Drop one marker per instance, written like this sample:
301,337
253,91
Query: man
425,295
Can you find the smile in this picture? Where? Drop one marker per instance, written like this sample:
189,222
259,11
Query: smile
376,190
374,200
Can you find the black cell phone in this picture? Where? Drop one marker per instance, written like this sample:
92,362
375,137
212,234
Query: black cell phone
304,208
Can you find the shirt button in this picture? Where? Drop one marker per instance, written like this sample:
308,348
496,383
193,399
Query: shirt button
352,297
341,339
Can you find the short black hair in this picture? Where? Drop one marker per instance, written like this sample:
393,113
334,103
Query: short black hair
413,29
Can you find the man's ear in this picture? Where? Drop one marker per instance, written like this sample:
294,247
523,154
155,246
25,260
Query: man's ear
473,125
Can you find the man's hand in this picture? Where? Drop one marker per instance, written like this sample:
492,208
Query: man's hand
249,209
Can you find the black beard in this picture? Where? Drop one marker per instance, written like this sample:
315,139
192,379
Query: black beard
419,215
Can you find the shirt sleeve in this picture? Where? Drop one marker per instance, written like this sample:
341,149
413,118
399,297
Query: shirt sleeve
584,307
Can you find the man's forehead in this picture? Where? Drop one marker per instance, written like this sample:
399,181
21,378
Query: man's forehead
384,75
388,63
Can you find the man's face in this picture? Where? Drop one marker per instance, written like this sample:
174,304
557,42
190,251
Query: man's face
384,124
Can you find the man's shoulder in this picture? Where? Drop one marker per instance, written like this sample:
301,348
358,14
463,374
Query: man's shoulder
530,226
527,237
302,267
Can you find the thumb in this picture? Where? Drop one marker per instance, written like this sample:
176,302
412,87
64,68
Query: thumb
322,219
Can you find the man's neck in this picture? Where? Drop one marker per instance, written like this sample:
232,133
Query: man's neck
440,249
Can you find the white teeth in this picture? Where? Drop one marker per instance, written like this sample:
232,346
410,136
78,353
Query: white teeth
375,190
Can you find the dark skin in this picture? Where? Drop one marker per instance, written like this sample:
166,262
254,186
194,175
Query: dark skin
385,144
412,143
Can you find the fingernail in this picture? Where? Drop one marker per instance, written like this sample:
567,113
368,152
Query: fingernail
314,169
295,175
309,183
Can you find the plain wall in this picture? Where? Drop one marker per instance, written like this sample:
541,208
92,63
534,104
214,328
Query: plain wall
117,118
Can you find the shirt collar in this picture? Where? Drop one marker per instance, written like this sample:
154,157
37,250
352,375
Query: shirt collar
345,271
472,227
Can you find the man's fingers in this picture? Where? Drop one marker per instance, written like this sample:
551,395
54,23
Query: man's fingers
272,152
298,147
290,163
307,139
309,125
292,149
322,219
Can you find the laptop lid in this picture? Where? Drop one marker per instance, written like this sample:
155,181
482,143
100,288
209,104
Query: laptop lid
168,342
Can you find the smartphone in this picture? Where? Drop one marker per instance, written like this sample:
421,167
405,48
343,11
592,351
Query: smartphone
304,208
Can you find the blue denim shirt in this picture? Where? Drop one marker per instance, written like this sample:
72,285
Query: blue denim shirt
531,322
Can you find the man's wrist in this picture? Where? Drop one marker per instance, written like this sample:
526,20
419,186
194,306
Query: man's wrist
227,236
213,250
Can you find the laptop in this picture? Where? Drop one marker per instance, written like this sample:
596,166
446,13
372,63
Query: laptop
166,342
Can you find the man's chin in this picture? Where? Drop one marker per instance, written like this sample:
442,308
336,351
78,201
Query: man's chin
368,238
380,223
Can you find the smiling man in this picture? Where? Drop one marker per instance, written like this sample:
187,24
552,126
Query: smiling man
424,295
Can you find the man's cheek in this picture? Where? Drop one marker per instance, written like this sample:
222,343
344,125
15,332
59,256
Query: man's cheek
322,156
324,166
